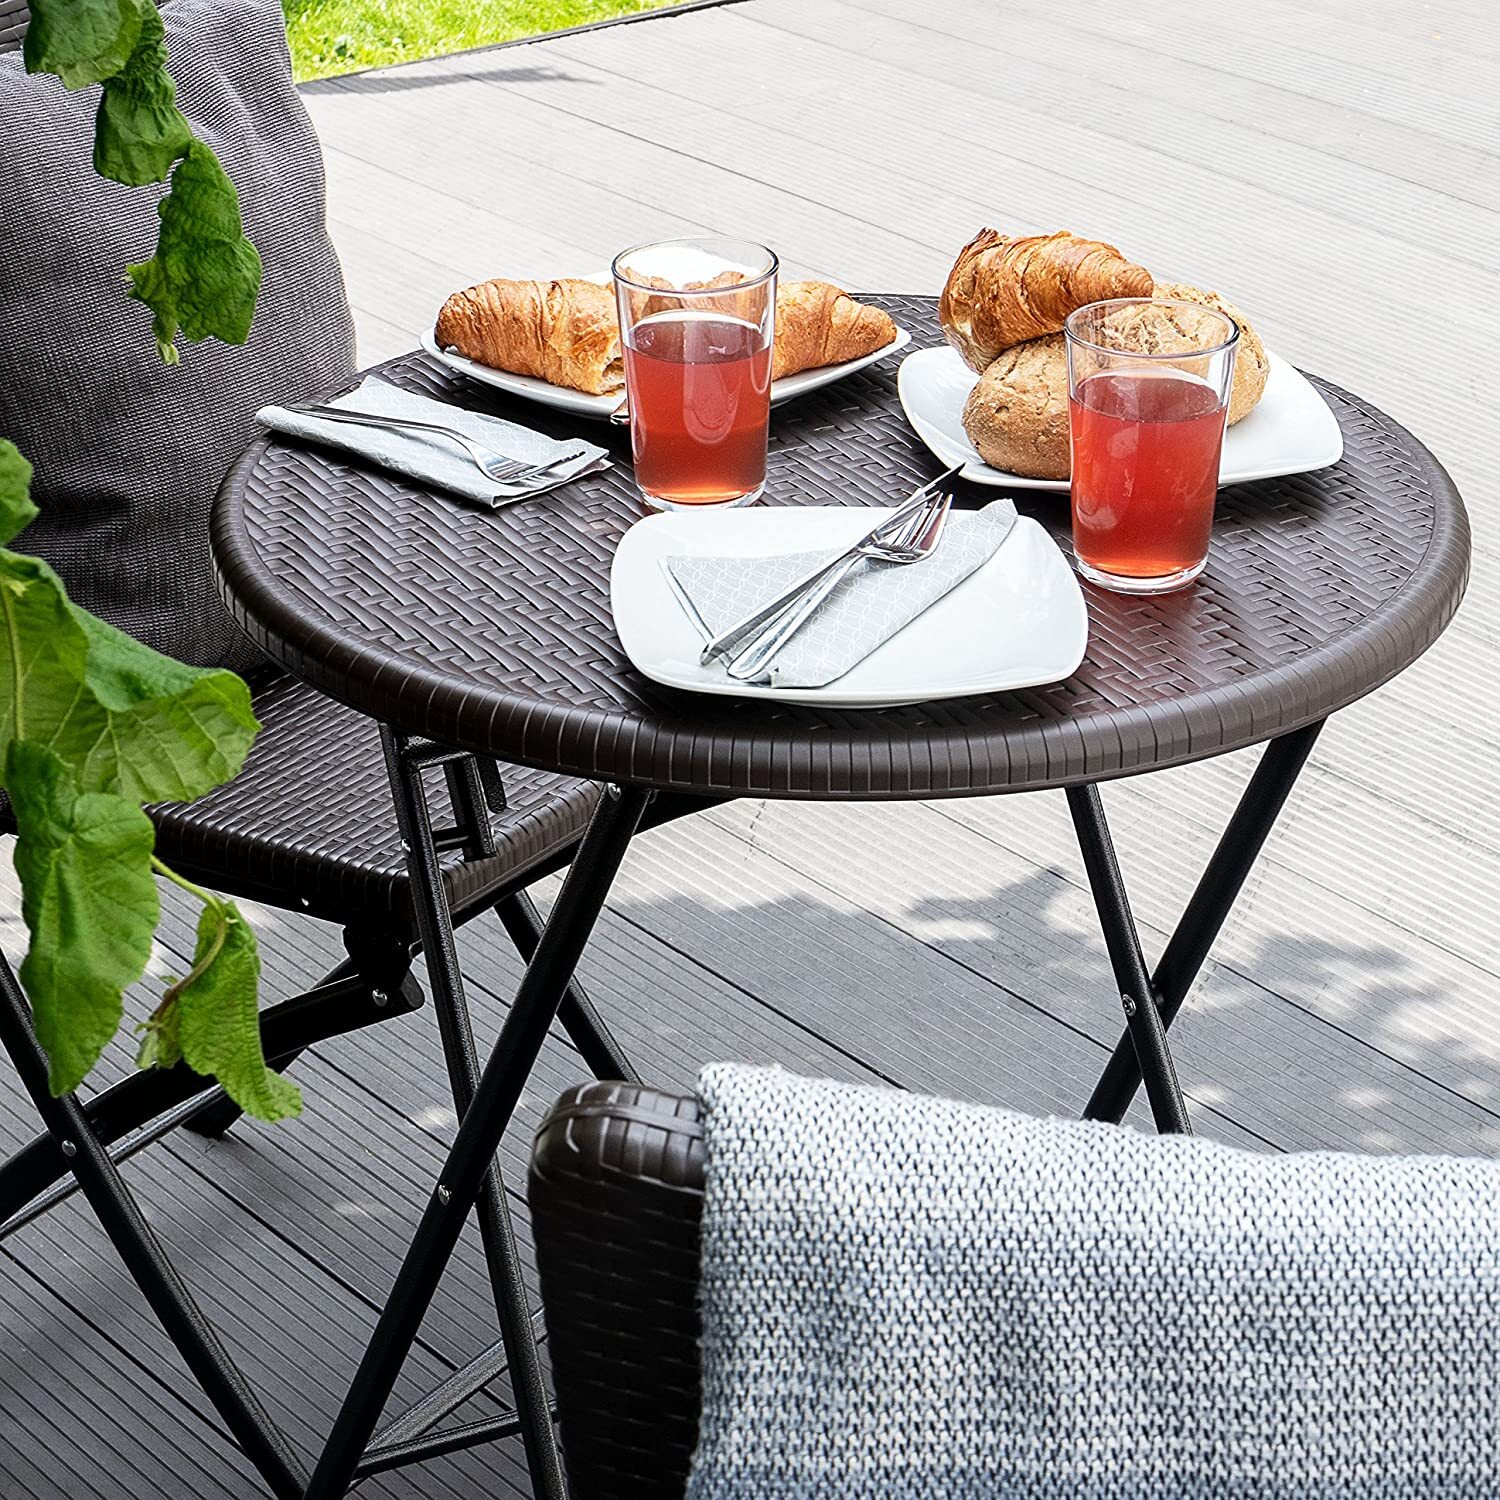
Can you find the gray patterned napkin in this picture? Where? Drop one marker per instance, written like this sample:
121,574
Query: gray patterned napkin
874,602
426,456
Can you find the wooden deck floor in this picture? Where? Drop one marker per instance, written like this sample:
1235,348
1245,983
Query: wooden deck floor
1334,166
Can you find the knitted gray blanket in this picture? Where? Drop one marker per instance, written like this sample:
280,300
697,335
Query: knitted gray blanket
909,1297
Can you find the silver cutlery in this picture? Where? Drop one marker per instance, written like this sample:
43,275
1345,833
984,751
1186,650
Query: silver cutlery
736,635
493,465
917,538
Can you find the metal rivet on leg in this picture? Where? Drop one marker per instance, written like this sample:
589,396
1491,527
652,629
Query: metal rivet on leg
1128,1001
379,997
444,1196
612,791
69,1149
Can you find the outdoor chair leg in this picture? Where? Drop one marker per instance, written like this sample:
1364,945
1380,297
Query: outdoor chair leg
383,965
154,1097
470,1161
143,1255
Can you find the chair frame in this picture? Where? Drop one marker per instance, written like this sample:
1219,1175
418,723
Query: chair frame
84,1142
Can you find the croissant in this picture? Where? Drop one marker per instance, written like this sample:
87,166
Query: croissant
818,324
1002,292
564,332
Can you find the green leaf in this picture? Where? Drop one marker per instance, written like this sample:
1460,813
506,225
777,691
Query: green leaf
45,656
139,131
218,1023
16,509
149,727
81,41
88,900
125,718
205,275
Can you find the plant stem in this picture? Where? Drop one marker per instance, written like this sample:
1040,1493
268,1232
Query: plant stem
162,868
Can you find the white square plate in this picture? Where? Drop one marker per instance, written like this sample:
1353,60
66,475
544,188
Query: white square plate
1290,431
1018,621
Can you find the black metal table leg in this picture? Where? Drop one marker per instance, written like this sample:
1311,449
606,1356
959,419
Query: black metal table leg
143,1255
1148,1037
595,1042
464,1173
435,928
472,798
1254,816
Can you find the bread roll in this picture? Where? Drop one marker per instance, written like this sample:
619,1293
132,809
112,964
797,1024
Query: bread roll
1251,367
1017,415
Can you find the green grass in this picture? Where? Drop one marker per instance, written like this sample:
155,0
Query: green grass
340,36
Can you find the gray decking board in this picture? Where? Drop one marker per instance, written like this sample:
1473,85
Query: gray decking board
1334,167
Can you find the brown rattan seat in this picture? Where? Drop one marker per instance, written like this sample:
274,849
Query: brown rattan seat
616,1192
308,824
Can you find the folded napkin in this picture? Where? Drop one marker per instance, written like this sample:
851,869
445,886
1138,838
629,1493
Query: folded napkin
426,456
875,601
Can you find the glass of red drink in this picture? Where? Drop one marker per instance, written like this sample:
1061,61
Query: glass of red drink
1148,394
697,319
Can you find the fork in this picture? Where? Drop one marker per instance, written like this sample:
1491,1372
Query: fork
491,464
736,636
917,538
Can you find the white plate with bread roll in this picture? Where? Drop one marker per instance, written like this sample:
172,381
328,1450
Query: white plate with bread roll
995,398
1291,430
558,342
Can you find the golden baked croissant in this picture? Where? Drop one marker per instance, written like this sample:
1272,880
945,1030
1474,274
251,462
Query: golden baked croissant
1002,292
819,324
564,332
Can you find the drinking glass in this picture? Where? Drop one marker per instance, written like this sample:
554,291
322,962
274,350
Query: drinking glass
697,318
1148,393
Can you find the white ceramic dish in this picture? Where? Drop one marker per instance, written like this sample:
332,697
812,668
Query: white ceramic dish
1019,621
1291,430
585,405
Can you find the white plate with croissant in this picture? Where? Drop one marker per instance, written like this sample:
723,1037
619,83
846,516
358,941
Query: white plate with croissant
996,397
558,342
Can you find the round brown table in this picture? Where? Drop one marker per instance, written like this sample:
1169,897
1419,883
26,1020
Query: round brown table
465,630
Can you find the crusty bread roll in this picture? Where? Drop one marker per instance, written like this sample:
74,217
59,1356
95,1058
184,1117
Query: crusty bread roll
1017,415
1251,367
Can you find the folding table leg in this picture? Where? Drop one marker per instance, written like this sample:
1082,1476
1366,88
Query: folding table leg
468,1165
593,1038
1212,900
1147,1035
143,1255
435,928
521,920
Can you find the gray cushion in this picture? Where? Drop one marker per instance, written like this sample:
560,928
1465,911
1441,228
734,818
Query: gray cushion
905,1297
129,452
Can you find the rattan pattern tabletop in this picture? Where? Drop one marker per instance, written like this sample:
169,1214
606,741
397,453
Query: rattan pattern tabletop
492,632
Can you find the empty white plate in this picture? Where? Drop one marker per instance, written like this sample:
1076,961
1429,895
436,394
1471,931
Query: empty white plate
1290,431
1018,621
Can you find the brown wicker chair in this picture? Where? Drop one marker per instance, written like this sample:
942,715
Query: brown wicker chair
616,1192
